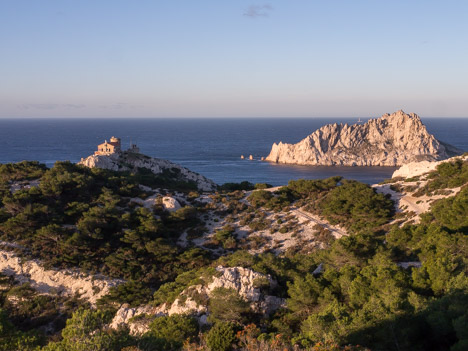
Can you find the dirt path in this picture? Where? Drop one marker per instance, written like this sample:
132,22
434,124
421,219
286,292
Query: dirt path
405,202
336,231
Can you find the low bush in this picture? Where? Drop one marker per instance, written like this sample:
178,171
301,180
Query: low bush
221,336
173,330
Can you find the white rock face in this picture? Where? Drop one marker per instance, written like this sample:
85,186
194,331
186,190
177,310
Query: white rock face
242,280
125,313
66,282
391,140
414,169
170,204
128,161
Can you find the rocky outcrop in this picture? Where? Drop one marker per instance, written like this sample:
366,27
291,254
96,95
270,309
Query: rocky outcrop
244,281
391,140
170,204
65,282
250,285
414,169
125,316
130,161
409,192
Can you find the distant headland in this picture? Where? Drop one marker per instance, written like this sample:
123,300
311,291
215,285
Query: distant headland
109,155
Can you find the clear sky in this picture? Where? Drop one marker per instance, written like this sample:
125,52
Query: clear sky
233,58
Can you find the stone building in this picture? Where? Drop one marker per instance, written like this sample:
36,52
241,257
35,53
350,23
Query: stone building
109,147
134,148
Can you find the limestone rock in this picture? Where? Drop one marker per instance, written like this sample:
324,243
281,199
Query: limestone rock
194,300
391,140
244,281
414,169
129,161
125,313
66,281
170,204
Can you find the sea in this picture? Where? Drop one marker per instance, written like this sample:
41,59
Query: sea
209,146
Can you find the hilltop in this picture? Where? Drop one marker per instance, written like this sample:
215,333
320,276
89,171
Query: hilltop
127,161
110,156
391,140
124,260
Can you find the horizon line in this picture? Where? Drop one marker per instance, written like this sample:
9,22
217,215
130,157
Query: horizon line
208,117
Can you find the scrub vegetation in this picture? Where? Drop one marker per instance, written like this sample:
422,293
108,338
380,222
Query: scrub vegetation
364,297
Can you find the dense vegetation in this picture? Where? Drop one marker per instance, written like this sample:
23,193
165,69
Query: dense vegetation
365,294
85,217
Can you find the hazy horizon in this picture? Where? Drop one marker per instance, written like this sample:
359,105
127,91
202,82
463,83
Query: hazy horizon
214,117
242,59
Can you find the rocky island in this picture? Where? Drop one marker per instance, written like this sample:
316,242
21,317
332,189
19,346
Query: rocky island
391,140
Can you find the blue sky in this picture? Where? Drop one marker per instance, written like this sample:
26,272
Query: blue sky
233,58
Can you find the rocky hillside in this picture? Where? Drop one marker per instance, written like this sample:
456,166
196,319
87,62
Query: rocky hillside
49,281
252,288
417,186
391,140
94,259
130,161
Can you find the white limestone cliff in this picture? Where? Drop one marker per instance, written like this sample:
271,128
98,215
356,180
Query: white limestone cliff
65,281
391,140
243,280
414,169
124,317
129,161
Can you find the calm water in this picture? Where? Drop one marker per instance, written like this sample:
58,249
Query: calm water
211,147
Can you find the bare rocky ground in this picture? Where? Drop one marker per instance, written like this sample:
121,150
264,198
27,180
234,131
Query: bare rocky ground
284,230
252,286
65,282
405,189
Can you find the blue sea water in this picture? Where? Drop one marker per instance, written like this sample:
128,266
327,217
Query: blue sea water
208,146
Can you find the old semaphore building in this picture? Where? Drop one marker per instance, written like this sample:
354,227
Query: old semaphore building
109,147
114,146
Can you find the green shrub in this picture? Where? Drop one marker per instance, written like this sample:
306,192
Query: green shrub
262,186
223,234
257,225
134,293
303,188
173,330
221,336
25,170
86,330
225,237
259,198
227,305
447,175
357,206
